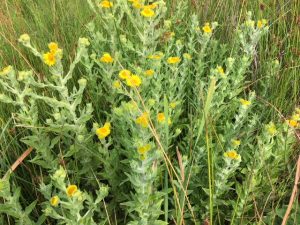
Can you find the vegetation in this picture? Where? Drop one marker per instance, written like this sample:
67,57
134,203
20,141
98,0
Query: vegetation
143,112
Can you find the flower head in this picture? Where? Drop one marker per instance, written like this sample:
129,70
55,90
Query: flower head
151,6
106,4
161,118
106,58
124,74
71,190
24,38
147,12
54,201
173,60
104,131
53,47
292,123
133,81
271,129
144,149
117,84
206,28
83,42
245,102
221,71
6,70
149,73
49,58
157,56
261,23
187,56
143,120
173,105
232,154
235,143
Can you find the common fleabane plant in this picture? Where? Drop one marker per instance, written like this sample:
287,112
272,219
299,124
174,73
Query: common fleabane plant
160,129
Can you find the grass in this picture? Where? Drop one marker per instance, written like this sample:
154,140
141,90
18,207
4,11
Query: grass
64,21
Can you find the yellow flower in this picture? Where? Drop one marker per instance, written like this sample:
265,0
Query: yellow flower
124,74
271,129
144,149
133,81
232,154
104,131
206,28
235,143
292,123
53,47
149,73
173,105
187,56
106,4
136,4
173,60
54,201
161,118
157,56
106,58
147,12
71,190
55,50
143,120
151,6
49,58
117,84
6,70
221,71
245,102
261,23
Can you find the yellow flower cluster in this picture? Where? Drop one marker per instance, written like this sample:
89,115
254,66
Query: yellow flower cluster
261,23
104,131
161,118
6,70
149,73
156,56
106,4
143,120
245,102
174,60
207,29
71,190
235,143
131,79
106,58
54,53
54,201
117,84
146,10
232,154
294,121
220,71
271,129
143,150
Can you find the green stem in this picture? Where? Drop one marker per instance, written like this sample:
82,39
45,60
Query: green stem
166,203
209,180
